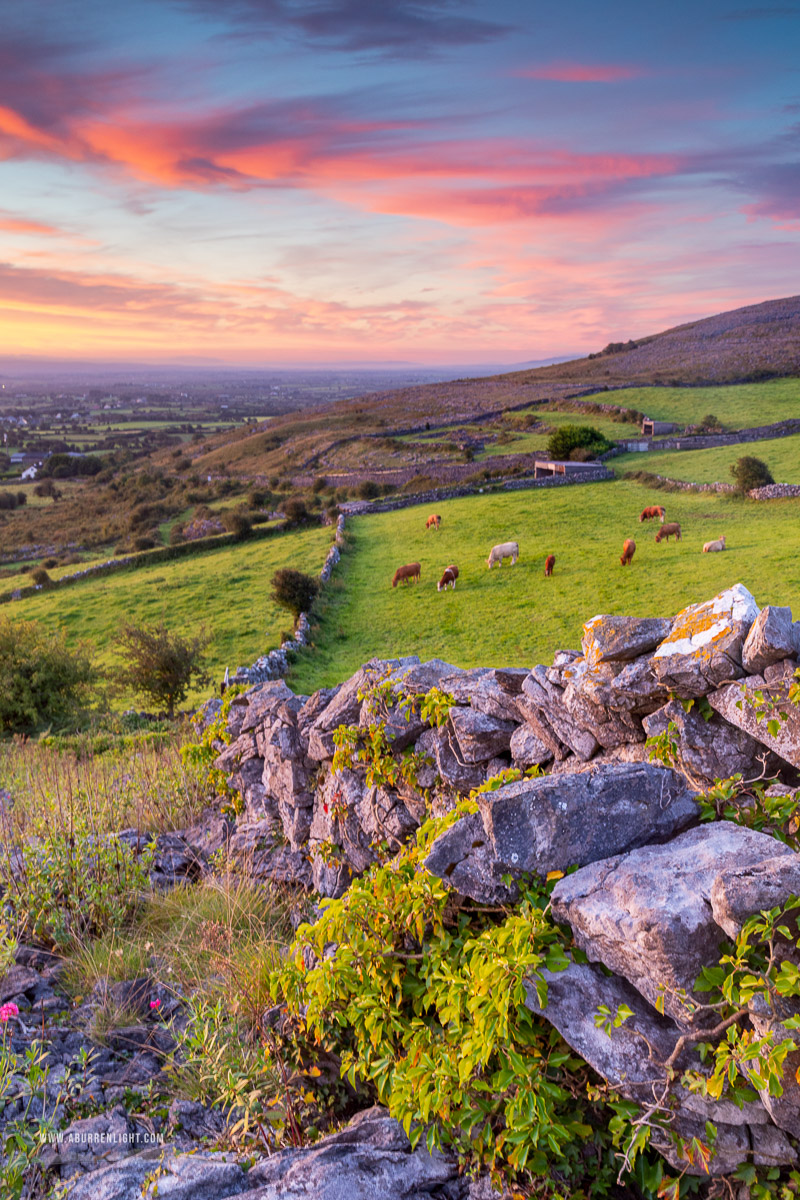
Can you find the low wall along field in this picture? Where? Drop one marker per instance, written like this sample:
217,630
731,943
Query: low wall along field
227,590
513,615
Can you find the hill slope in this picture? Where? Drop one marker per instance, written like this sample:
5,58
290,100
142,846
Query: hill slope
752,343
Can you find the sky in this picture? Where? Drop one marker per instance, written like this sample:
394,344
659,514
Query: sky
265,182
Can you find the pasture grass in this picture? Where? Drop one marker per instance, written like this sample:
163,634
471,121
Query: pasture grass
782,456
513,615
737,406
226,591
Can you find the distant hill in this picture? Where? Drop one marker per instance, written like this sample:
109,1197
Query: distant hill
749,344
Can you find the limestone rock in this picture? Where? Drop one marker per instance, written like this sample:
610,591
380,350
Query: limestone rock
544,710
738,893
260,846
771,638
370,1158
620,639
479,736
646,914
739,705
636,688
704,646
610,728
707,749
200,1176
526,748
488,690
549,824
443,749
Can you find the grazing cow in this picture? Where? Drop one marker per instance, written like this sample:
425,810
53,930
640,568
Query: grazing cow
549,563
503,550
712,547
672,528
433,522
655,510
628,551
406,573
448,579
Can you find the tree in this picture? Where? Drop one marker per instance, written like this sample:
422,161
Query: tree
42,682
160,665
574,437
749,473
293,590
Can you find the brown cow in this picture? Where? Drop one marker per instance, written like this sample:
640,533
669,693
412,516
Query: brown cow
433,522
448,579
404,574
672,529
628,551
655,510
549,563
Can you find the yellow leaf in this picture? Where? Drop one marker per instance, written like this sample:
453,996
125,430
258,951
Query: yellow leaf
554,875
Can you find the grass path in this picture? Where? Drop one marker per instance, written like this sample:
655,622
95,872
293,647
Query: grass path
513,615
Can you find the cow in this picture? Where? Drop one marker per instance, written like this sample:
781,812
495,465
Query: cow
433,522
448,579
406,573
712,547
501,551
549,563
672,529
628,551
655,510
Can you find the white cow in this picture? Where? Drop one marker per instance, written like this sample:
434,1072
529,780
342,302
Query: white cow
710,547
504,550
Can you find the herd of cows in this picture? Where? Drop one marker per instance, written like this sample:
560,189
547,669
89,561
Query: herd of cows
411,572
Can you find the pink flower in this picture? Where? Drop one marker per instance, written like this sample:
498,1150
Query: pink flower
7,1011
155,1004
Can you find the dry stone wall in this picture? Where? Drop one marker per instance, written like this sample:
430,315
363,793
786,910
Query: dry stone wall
655,892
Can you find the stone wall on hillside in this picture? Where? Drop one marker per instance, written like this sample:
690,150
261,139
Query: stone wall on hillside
656,890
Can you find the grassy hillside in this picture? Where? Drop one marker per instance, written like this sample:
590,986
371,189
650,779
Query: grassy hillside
737,407
782,456
225,590
514,615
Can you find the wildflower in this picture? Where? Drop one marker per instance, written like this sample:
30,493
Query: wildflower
155,1004
7,1011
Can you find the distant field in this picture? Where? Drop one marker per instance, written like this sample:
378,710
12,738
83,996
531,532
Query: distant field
226,590
513,615
782,456
528,443
737,406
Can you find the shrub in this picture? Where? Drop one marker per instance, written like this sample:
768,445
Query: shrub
571,437
160,665
296,511
40,577
749,473
711,423
237,524
41,681
294,590
143,543
319,485
368,490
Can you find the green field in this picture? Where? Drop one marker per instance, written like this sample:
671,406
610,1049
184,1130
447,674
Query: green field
737,406
532,442
782,456
513,615
225,590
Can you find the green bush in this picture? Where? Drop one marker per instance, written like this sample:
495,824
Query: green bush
294,590
159,665
749,473
368,490
572,437
237,524
41,681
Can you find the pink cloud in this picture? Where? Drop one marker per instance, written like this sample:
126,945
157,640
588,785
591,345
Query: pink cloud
570,72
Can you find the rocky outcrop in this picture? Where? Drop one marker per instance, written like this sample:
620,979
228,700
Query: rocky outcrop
649,892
